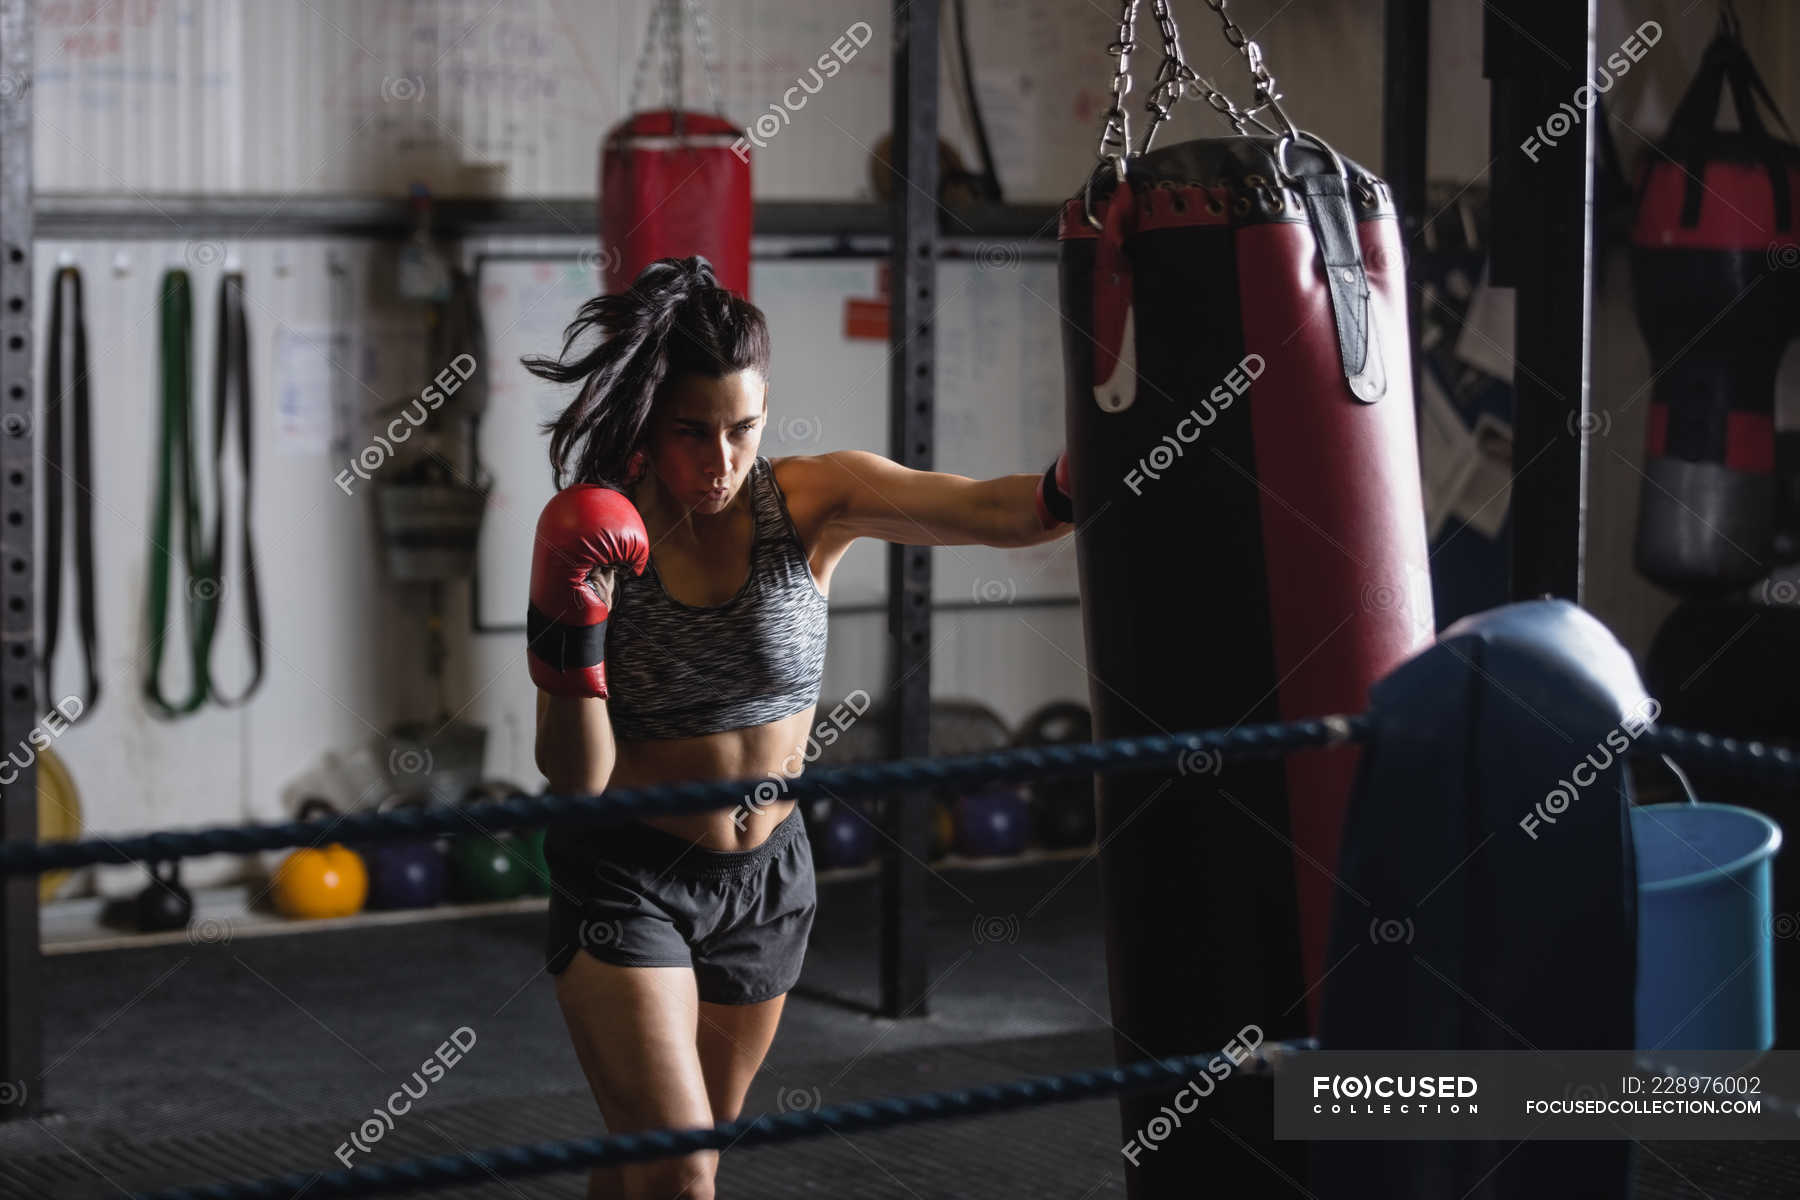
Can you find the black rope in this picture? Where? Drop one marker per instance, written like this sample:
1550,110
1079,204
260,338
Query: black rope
1200,752
1754,758
514,1162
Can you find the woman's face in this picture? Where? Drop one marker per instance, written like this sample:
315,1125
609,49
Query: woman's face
705,437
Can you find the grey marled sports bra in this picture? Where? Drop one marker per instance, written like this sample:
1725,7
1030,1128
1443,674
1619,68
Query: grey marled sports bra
675,670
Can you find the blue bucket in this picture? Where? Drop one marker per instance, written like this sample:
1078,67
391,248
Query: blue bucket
1706,964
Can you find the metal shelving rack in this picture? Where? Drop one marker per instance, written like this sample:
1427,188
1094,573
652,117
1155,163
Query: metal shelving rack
81,215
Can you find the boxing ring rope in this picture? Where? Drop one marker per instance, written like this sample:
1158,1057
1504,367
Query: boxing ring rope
1203,750
1200,751
513,1162
1182,750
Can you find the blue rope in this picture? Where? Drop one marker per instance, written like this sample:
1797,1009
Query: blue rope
514,1162
1753,758
1199,752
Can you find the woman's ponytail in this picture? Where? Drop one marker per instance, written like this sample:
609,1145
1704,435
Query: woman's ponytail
674,319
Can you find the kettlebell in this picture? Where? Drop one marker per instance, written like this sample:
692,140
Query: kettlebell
489,866
320,882
537,867
408,872
991,823
849,838
1062,810
943,829
164,904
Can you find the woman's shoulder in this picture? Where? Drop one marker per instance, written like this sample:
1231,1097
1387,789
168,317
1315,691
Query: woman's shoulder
803,475
822,473
813,485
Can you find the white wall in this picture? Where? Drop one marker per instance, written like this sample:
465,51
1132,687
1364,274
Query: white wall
277,99
344,95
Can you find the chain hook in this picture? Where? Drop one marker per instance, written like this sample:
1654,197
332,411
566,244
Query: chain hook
1288,178
1087,189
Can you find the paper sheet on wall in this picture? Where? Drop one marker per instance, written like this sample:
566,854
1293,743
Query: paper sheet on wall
1486,492
1487,337
304,364
1446,453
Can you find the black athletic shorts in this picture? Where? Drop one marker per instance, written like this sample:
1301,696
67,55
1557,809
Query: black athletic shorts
636,896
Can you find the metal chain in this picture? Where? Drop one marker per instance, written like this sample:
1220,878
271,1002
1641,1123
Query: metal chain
703,38
1115,133
1175,79
1266,95
673,82
657,12
665,34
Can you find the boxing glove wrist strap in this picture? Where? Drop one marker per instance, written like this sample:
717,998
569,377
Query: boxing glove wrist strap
564,647
1053,505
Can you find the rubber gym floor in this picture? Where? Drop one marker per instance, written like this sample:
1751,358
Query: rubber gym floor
189,1064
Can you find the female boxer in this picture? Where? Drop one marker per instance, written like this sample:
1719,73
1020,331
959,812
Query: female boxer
677,631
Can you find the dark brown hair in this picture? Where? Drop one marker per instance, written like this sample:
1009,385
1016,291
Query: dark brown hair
672,320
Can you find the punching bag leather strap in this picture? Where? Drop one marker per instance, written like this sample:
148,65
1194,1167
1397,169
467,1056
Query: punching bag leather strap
1334,227
1115,358
1332,222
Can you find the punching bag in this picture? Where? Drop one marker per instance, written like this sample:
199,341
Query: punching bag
674,182
1251,542
1718,300
671,186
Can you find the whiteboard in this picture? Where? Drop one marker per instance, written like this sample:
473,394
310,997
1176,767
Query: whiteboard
999,406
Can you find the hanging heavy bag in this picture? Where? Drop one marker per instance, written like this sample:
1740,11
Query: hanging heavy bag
1245,488
671,184
1718,300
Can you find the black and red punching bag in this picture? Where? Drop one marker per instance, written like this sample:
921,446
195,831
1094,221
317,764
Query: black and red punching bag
1252,549
1718,300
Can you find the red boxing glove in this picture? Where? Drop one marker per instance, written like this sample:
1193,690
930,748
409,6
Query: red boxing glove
585,528
1053,504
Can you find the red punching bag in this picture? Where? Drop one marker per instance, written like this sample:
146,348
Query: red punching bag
670,186
1252,549
674,182
1713,232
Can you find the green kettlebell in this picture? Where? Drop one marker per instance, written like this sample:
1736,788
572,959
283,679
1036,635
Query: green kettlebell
537,869
486,866
494,865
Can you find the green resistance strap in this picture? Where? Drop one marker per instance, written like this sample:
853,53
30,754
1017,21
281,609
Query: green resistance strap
202,541
175,456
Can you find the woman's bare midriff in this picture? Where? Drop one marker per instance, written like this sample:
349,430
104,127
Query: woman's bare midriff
772,751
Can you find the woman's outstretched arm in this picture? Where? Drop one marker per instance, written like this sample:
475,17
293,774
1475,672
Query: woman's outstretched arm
866,495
